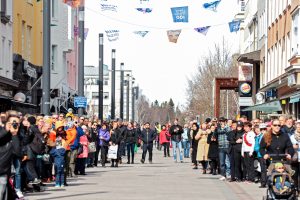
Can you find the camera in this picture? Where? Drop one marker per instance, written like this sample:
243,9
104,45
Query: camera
15,125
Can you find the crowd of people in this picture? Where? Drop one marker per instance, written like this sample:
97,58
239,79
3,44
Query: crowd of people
238,150
41,149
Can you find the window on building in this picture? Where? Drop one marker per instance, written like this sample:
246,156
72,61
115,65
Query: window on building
295,34
54,8
105,95
2,55
28,49
106,81
23,38
95,95
54,57
243,5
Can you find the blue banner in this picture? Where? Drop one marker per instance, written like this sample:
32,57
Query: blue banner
180,14
212,5
202,30
144,10
234,26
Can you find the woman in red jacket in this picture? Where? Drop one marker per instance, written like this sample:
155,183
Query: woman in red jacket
164,140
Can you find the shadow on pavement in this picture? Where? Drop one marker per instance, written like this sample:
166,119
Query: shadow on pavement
76,195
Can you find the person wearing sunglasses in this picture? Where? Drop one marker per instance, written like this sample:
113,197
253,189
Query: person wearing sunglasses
276,142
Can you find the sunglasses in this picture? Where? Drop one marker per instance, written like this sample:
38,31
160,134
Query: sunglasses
277,125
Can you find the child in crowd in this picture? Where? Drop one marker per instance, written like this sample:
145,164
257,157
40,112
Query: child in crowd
59,161
282,184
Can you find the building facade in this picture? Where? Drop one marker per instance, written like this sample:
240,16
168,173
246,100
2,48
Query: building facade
7,84
27,52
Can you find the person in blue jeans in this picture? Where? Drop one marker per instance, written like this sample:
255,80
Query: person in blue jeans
222,133
176,136
186,141
59,161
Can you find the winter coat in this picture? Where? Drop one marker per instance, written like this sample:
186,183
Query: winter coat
213,151
105,134
9,147
233,136
36,141
84,142
280,144
194,141
115,136
79,133
290,131
71,136
203,146
59,156
176,134
130,136
148,135
258,139
163,136
248,143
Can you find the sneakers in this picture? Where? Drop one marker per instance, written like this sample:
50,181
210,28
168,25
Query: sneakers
35,181
222,178
57,185
62,186
142,161
19,194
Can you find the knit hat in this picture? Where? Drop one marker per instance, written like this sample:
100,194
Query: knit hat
59,124
277,165
31,120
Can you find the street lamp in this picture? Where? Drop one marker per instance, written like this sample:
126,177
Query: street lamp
122,91
113,83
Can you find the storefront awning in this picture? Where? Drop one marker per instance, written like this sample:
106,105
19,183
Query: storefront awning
295,98
269,107
250,57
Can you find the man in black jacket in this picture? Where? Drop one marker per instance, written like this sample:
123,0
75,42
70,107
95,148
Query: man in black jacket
9,147
147,136
176,131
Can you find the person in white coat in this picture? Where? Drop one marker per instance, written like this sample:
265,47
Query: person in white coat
247,151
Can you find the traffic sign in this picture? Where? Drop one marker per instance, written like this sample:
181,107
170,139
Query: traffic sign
80,102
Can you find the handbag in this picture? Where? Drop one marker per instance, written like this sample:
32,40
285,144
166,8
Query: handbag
113,152
92,147
80,149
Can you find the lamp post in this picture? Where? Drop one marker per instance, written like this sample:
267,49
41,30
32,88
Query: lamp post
122,92
100,106
46,57
81,57
113,82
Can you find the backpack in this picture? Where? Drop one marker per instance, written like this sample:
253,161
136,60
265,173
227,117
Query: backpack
38,144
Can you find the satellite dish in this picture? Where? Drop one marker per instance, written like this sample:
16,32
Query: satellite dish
20,97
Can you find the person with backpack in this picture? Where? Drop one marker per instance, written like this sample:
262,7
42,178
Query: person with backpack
33,144
164,139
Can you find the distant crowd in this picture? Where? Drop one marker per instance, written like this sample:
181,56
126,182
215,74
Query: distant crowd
37,149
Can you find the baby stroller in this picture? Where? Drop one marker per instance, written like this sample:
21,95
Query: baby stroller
272,191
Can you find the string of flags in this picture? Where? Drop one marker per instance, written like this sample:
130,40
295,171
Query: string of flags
179,15
212,5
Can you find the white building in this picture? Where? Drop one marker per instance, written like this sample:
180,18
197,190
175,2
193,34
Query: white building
91,79
61,44
6,46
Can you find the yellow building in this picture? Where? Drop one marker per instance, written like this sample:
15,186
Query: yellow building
27,52
28,30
